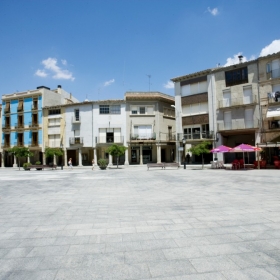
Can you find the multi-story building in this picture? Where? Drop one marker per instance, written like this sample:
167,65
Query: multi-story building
269,87
85,130
22,120
151,131
236,92
195,121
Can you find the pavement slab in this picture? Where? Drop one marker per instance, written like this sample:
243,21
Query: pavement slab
130,223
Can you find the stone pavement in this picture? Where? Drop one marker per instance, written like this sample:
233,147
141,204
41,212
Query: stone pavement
132,223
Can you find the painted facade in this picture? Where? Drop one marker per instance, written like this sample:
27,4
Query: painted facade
22,120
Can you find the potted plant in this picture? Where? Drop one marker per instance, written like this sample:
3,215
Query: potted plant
102,163
38,163
26,166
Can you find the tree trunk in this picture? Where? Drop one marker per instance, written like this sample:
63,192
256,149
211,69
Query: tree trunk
117,162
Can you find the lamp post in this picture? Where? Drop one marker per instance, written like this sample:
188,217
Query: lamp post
184,142
61,147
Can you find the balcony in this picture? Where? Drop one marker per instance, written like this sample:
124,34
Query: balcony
20,108
7,110
239,101
168,137
19,144
76,140
76,119
19,126
206,135
109,139
33,125
33,144
6,127
34,108
6,145
142,136
238,124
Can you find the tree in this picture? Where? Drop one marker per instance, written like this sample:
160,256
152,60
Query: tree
51,152
20,152
201,149
116,150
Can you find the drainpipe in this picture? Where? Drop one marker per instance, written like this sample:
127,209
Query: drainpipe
260,111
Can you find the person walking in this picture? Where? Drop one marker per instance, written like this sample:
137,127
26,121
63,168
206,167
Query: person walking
70,163
92,163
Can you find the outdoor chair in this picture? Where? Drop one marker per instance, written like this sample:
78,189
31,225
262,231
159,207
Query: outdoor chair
277,164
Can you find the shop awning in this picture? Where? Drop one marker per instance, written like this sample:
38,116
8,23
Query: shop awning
268,144
273,111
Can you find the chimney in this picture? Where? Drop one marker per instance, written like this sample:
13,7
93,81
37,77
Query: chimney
240,58
59,86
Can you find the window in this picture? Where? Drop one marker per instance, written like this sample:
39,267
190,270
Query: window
54,112
77,115
236,77
142,110
104,109
54,122
115,109
20,105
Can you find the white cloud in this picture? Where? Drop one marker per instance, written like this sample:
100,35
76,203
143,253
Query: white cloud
64,61
213,12
235,59
274,47
50,64
169,85
41,73
109,82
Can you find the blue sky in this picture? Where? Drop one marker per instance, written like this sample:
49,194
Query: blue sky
101,49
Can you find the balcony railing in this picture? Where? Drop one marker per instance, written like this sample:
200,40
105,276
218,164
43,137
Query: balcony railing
33,144
6,127
109,139
19,144
168,137
19,109
7,110
19,125
33,125
6,145
143,136
238,124
76,119
206,135
76,140
34,108
53,144
239,101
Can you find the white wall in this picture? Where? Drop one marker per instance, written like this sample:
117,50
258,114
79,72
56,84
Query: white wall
85,126
109,121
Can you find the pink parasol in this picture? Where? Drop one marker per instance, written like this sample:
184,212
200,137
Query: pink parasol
221,149
244,148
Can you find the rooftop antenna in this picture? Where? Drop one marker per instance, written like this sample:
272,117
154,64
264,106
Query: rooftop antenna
149,76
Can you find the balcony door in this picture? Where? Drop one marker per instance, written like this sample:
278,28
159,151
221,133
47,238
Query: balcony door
144,131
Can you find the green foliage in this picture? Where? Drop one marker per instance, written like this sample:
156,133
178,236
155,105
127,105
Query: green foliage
200,149
26,165
38,162
51,152
20,152
117,151
102,162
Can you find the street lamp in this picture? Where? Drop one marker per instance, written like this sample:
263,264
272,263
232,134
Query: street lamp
184,142
61,147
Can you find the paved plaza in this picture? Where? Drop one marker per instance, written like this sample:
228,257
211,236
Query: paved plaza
130,223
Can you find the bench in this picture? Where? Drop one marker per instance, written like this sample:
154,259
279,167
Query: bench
155,165
163,165
41,166
171,164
